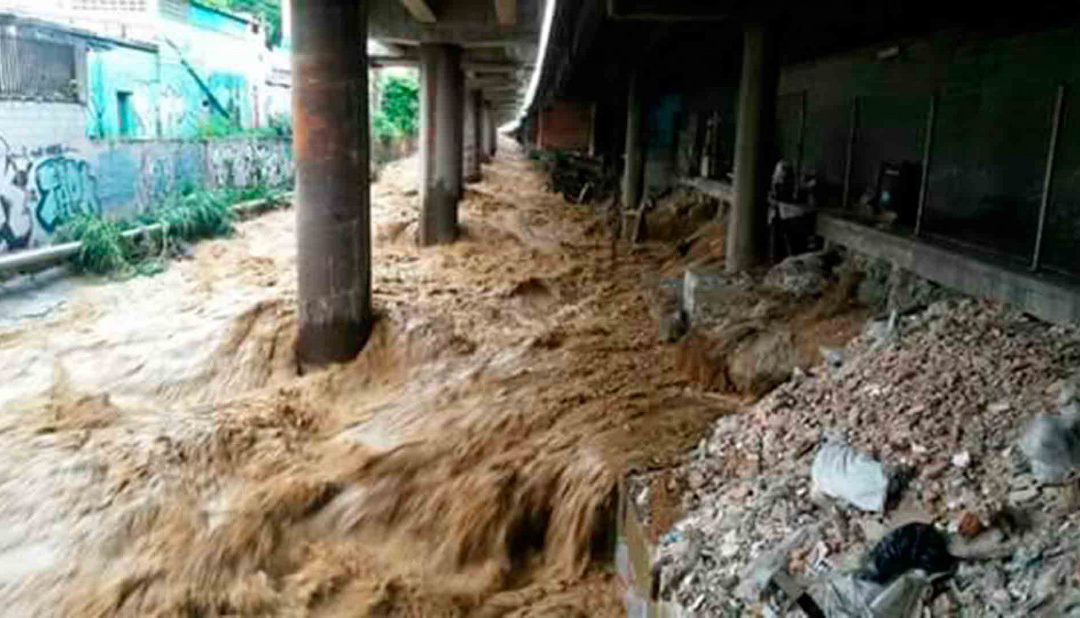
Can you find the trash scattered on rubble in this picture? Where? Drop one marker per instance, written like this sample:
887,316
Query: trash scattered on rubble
1052,444
883,332
914,546
961,382
842,472
969,526
833,358
848,596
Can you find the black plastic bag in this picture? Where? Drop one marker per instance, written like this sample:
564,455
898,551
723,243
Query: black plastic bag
914,546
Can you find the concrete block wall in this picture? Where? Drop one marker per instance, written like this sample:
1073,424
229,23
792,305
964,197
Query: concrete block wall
566,125
43,184
40,124
993,120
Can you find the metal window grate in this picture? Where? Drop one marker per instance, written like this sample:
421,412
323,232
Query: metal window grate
31,69
127,6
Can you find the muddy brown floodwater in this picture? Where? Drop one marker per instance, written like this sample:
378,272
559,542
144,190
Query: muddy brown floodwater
160,456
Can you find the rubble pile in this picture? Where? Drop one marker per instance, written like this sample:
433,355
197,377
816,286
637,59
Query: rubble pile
926,415
577,177
677,216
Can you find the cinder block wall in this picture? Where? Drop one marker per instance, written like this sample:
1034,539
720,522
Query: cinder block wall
41,124
995,98
50,172
566,125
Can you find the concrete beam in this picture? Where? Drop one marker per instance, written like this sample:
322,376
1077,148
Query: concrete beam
458,22
330,144
506,12
473,66
669,10
420,11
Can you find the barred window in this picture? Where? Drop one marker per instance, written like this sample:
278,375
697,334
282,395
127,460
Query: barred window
128,6
31,69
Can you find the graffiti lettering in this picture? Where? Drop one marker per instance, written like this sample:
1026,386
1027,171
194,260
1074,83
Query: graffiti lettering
16,224
66,188
41,188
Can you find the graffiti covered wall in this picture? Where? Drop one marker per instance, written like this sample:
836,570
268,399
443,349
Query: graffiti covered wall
42,188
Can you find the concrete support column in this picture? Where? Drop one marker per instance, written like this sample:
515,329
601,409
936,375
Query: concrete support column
486,132
442,97
473,127
333,230
493,132
756,113
633,180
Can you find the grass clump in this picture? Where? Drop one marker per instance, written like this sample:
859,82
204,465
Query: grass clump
104,248
179,220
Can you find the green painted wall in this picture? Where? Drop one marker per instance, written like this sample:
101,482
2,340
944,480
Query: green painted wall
116,72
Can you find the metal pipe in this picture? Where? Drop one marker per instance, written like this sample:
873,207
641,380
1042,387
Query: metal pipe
32,260
1048,179
38,259
848,163
928,145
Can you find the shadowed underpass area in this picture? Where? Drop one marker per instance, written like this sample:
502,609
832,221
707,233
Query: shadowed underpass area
538,308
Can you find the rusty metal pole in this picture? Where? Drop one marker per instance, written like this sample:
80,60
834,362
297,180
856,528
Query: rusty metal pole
442,97
330,103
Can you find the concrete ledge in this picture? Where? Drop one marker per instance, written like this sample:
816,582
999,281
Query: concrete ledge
719,189
1045,296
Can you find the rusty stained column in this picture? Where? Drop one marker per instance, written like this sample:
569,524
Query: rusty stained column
757,108
473,127
330,102
442,98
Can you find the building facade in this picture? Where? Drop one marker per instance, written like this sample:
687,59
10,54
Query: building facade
108,106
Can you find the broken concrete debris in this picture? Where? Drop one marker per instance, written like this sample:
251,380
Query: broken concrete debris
950,400
801,275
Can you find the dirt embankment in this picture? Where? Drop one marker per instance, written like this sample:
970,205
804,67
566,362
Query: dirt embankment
160,456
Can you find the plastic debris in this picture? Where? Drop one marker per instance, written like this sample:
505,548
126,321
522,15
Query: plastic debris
1052,444
848,596
842,472
914,546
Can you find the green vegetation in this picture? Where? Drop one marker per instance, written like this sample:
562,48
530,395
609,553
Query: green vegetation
180,219
268,10
398,115
217,127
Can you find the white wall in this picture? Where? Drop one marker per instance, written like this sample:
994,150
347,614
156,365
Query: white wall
32,125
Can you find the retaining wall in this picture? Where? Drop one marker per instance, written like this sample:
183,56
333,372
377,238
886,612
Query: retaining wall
42,187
